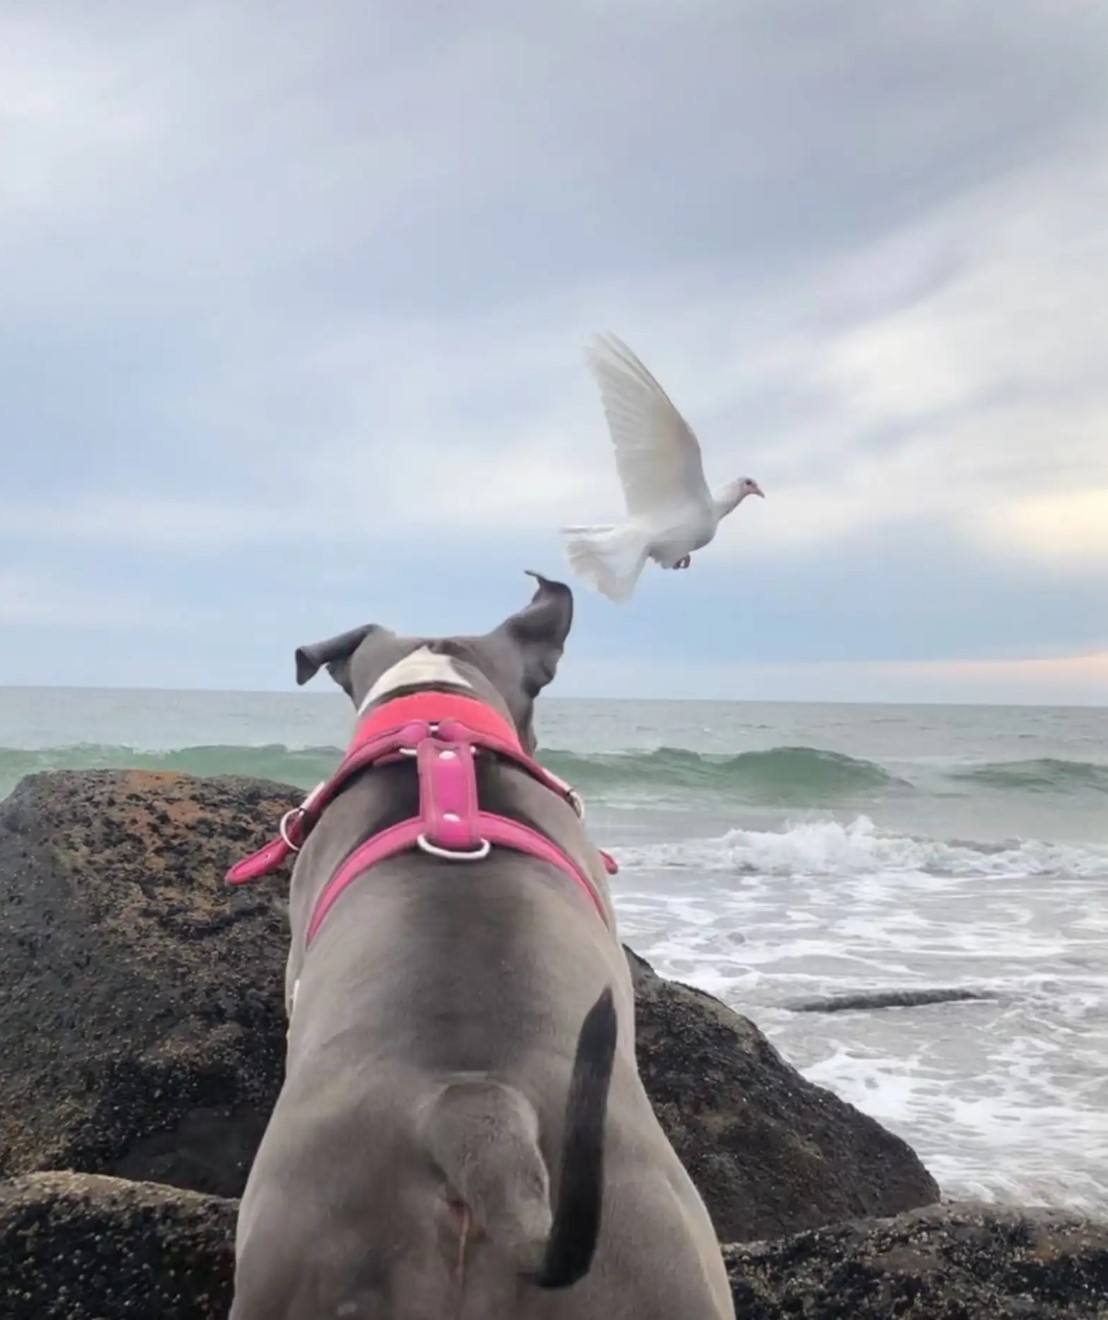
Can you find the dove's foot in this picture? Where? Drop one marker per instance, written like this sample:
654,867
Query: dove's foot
684,562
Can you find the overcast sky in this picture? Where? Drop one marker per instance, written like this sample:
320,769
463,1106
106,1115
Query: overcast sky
292,303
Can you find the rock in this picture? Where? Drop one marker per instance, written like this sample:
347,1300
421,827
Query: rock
871,999
83,1247
950,1262
80,1247
143,1029
770,1152
142,1021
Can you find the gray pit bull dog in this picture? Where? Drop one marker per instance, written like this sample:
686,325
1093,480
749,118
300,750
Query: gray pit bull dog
462,1133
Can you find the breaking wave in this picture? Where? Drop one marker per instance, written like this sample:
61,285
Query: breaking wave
800,774
781,775
829,848
1044,775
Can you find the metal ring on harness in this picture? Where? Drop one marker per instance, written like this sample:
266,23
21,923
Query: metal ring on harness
477,854
283,828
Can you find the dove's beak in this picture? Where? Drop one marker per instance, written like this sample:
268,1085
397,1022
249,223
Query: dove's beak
755,489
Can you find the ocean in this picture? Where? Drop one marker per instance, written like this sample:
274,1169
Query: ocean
788,858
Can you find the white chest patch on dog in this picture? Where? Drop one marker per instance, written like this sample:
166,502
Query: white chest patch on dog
422,668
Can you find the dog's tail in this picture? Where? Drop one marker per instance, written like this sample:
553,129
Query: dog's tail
484,1137
576,1227
609,558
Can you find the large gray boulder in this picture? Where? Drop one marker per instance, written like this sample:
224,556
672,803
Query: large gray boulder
951,1262
80,1247
143,1026
770,1152
83,1247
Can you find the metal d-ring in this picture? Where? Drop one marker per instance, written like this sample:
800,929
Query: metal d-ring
477,854
283,828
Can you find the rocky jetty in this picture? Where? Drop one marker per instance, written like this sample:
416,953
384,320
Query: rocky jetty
77,1246
949,1262
143,1038
144,1023
85,1247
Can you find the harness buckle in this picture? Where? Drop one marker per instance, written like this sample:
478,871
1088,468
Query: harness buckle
477,854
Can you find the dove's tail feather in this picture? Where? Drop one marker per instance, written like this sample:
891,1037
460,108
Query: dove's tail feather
609,558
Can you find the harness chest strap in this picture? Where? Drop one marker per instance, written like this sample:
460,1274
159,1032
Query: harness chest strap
443,732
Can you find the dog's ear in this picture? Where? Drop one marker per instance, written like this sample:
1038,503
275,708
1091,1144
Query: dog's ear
335,653
540,630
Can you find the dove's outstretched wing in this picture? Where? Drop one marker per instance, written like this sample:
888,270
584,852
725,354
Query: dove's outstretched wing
657,454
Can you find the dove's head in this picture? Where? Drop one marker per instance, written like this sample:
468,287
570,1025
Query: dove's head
506,668
735,492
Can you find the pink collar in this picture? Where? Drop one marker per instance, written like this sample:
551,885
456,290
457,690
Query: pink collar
442,732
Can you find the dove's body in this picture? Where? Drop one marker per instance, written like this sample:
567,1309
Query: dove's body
671,512
689,529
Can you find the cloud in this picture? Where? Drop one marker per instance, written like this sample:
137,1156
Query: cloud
953,398
284,299
41,601
1070,529
1066,681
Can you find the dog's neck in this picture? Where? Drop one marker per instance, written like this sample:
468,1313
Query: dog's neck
421,668
442,731
414,710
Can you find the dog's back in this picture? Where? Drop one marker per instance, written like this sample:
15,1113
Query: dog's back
476,1202
483,1137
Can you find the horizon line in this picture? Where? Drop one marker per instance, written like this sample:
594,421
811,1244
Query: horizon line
690,701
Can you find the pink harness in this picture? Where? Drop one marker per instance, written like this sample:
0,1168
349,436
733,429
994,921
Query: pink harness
443,732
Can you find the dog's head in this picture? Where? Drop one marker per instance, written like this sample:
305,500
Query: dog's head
507,667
